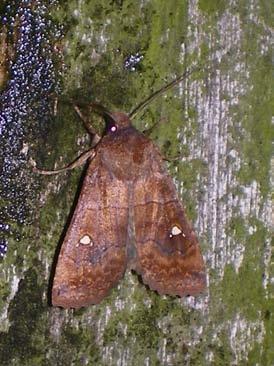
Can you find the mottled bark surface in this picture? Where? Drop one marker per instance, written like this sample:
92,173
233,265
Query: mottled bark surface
218,121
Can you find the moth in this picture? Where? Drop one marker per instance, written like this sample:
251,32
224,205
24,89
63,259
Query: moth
128,216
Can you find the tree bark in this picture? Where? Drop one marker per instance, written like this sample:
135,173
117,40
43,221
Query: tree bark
218,121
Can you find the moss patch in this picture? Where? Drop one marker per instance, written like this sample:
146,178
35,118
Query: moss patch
212,7
76,347
24,340
153,319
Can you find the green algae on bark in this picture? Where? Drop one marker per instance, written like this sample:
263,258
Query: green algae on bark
234,323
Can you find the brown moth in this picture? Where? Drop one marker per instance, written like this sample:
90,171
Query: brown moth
128,216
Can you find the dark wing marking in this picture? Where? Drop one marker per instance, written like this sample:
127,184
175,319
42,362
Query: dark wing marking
167,251
93,255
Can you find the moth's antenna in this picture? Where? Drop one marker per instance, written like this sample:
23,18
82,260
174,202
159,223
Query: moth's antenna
159,92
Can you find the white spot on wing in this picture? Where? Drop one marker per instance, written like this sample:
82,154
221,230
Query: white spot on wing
176,230
86,240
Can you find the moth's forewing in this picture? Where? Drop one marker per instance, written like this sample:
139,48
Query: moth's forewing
93,256
168,253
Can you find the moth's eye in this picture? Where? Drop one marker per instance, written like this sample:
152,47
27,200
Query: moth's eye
113,128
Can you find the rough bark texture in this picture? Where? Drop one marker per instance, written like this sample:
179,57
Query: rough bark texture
219,122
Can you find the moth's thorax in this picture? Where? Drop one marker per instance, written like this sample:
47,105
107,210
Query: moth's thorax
125,153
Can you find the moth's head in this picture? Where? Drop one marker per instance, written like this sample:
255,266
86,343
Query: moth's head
120,118
114,120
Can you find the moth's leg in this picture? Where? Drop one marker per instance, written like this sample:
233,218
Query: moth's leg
80,160
91,131
90,154
174,158
148,131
